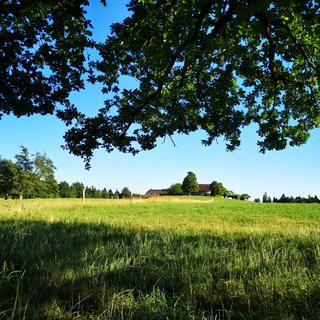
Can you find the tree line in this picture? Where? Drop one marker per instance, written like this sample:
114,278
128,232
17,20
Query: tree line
33,176
287,199
75,190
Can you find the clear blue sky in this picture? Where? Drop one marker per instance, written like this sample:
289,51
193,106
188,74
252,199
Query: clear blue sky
293,171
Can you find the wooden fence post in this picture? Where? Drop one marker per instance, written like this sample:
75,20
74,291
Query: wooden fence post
83,196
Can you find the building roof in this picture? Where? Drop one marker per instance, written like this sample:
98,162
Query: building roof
156,192
204,187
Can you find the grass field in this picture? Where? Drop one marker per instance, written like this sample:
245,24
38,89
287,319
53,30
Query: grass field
167,258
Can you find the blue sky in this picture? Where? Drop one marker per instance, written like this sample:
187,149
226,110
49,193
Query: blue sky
293,171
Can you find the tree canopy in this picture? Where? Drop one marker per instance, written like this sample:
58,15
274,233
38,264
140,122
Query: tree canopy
126,193
29,177
217,189
190,183
42,60
175,189
217,66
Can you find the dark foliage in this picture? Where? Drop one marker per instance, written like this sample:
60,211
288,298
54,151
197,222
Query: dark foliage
212,65
42,57
298,199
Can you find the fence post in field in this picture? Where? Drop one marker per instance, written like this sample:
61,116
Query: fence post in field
83,196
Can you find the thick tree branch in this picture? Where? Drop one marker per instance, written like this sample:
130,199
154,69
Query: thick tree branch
219,25
266,26
224,19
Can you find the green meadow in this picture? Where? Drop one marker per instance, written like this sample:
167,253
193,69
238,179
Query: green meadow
164,258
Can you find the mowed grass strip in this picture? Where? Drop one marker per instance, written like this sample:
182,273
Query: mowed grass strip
165,258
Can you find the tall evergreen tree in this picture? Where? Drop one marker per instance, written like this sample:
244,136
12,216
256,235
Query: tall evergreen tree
283,198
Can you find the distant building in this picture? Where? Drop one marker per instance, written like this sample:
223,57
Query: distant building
156,192
204,190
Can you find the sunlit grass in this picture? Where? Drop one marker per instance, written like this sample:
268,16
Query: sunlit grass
162,258
182,214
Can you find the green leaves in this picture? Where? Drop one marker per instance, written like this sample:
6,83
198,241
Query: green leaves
42,54
212,65
190,184
209,65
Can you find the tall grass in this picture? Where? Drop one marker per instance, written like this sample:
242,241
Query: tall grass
161,259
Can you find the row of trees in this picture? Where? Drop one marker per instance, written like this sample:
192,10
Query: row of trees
190,186
75,190
32,176
287,199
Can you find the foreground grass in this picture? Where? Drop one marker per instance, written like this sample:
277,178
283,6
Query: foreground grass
167,258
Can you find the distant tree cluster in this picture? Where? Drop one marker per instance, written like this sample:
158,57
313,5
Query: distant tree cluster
291,199
75,190
266,198
175,189
70,191
190,186
30,176
217,189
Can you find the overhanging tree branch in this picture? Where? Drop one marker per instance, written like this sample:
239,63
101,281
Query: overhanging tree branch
267,27
219,25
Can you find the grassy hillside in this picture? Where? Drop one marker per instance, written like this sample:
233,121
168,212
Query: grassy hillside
166,258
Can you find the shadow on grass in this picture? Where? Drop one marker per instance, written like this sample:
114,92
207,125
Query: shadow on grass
74,271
